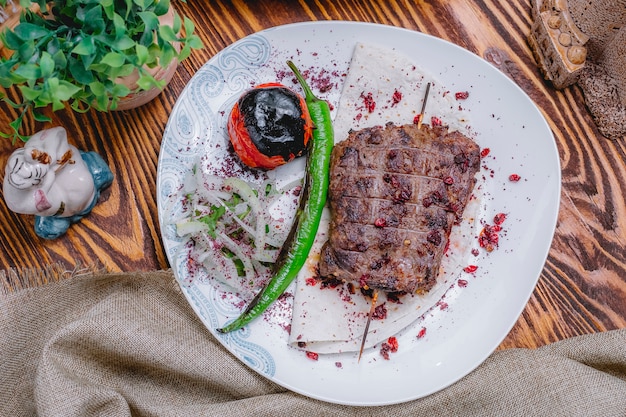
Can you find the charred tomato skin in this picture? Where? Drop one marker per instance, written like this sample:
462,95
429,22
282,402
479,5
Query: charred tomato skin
269,126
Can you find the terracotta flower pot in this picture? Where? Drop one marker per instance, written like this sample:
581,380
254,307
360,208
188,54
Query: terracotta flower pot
9,18
10,15
135,100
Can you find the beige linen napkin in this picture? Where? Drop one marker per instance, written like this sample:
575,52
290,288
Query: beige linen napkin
103,344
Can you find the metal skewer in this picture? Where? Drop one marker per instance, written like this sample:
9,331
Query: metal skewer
375,295
421,115
367,325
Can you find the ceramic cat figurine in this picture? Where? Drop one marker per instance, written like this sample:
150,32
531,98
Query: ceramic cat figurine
54,181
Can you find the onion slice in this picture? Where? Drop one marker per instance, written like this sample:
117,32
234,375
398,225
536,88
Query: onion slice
235,228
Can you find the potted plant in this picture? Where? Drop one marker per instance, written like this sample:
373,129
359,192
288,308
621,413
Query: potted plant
89,54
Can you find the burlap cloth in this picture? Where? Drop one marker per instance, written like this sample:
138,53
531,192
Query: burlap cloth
104,344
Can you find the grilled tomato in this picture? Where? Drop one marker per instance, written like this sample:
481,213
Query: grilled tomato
269,126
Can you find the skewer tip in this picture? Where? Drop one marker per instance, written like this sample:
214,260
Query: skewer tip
367,325
421,115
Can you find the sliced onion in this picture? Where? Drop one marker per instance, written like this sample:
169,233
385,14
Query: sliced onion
190,183
236,249
188,226
260,235
245,191
214,197
240,209
248,228
220,267
209,187
266,255
295,182
265,229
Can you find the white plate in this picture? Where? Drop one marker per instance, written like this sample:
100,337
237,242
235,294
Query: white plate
478,316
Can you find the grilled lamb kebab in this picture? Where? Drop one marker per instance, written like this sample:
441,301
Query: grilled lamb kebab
395,192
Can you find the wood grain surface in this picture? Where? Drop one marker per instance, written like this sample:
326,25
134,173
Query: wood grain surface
582,288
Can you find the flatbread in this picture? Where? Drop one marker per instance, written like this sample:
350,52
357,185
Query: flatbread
381,73
332,320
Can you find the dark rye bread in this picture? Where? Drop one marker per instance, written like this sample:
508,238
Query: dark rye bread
395,192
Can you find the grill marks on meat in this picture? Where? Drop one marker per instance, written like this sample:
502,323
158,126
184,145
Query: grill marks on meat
395,192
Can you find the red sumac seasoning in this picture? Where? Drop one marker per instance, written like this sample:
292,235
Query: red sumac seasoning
461,95
514,178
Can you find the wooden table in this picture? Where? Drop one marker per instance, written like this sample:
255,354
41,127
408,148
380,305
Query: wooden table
582,288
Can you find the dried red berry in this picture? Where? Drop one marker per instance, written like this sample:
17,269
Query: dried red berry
384,350
499,218
393,343
421,333
380,312
368,102
488,237
434,237
380,222
363,281
470,269
396,97
312,355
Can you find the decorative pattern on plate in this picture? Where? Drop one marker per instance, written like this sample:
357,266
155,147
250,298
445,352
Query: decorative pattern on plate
253,354
196,123
257,357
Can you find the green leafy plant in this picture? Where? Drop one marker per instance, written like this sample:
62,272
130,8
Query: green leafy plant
75,52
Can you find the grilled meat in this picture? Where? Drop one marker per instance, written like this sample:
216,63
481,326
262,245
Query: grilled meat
395,192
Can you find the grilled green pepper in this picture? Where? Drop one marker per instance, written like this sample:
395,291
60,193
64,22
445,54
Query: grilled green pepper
298,244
